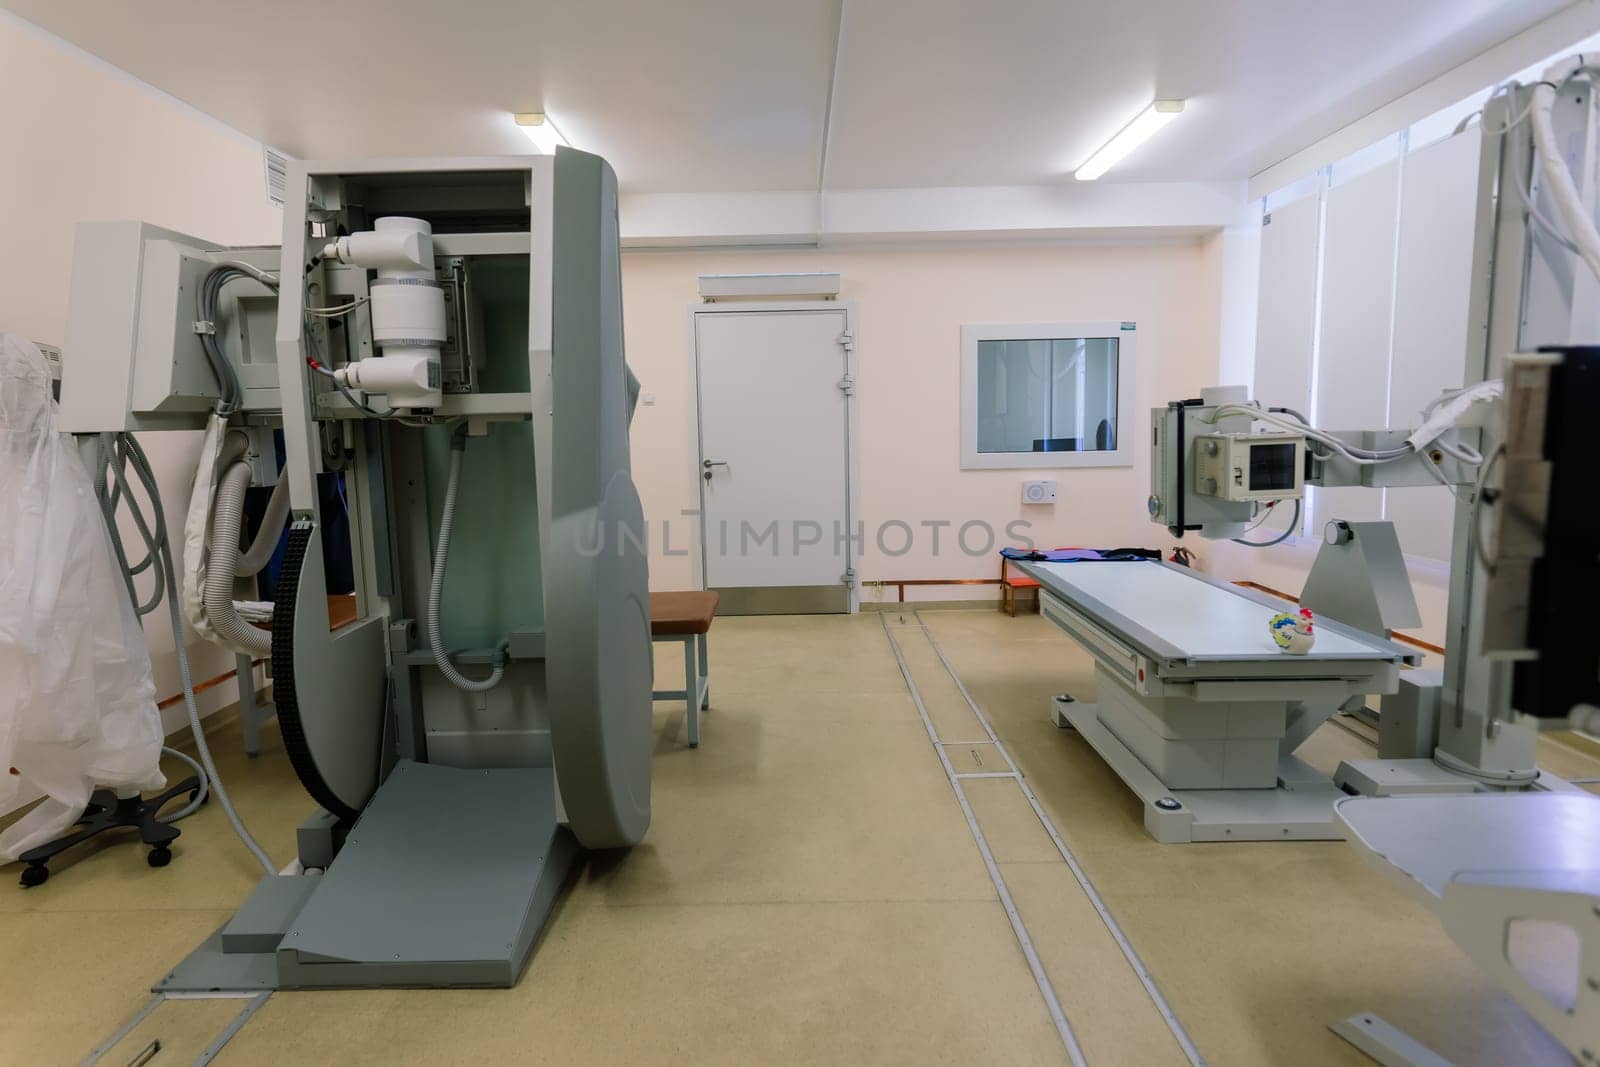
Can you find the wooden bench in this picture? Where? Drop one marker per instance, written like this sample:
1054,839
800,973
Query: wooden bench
686,618
1010,583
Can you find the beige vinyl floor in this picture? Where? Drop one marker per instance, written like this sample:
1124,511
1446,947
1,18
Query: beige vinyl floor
810,892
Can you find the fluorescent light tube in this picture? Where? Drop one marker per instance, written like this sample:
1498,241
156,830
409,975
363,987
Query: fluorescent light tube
537,127
1134,134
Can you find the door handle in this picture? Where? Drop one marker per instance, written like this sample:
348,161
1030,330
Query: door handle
708,464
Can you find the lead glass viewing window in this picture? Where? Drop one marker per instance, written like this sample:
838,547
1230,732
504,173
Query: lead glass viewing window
1047,395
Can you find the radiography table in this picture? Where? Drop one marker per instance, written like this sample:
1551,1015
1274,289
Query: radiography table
1198,711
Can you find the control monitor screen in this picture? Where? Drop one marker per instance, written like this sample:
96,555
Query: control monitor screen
1272,467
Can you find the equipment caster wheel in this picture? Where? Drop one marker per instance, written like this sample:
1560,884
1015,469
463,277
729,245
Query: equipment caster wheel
32,876
159,857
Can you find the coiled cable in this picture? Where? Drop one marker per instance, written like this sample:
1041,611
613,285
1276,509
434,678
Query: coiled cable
1294,524
441,559
118,453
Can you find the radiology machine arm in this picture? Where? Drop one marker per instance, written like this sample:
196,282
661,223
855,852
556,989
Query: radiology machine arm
1213,471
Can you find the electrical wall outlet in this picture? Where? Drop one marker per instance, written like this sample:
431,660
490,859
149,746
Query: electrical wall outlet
1040,492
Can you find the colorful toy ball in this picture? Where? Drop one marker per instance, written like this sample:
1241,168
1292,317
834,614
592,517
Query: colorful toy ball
1293,633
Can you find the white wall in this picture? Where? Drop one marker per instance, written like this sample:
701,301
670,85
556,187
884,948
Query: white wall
911,304
85,141
1393,262
1352,370
1433,275
1285,312
1238,249
1285,567
1101,211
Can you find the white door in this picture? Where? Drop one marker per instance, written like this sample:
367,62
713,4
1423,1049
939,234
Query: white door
774,463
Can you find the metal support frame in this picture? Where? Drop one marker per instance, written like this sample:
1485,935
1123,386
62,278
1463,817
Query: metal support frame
1485,863
251,714
696,679
1300,808
211,1051
254,1001
1386,1043
1500,854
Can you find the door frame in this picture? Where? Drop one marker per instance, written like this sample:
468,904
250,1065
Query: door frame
852,424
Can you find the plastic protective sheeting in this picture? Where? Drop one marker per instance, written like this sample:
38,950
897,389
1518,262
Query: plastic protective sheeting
197,527
77,702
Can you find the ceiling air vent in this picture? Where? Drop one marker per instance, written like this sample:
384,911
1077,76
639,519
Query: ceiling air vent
276,167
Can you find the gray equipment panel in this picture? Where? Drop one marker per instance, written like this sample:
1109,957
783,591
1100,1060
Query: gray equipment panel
330,686
1408,719
1361,580
318,838
445,880
597,604
208,969
269,910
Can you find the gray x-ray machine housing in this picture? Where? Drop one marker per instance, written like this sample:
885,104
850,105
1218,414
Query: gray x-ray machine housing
449,820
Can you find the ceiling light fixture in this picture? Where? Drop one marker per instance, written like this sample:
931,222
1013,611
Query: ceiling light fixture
537,127
1131,136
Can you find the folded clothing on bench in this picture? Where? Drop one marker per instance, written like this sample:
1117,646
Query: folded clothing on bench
1073,555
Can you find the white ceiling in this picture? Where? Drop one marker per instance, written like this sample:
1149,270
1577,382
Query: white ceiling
956,92
718,95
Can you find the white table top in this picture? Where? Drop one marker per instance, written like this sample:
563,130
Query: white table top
1203,620
1430,840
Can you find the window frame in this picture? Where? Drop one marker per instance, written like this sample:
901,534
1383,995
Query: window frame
1126,335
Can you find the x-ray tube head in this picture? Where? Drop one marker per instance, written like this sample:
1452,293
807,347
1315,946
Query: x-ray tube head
408,312
1209,473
